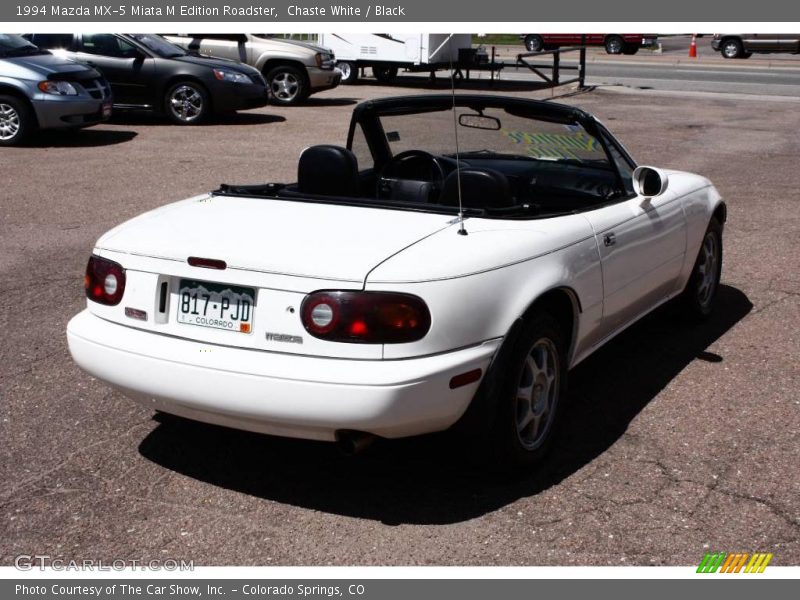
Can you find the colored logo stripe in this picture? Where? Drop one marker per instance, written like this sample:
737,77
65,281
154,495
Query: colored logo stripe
733,563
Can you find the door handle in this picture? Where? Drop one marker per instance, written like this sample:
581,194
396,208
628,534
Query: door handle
609,239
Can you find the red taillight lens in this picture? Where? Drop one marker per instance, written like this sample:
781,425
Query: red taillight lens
365,317
104,281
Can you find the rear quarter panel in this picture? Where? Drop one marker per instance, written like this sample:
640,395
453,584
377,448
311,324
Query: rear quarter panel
477,285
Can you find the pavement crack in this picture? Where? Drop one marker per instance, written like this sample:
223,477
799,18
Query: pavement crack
10,492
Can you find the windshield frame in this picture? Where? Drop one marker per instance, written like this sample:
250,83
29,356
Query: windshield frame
368,115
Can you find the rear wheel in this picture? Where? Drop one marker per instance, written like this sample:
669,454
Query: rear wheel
701,290
534,43
187,103
630,49
530,401
614,44
732,48
349,71
385,74
16,121
288,84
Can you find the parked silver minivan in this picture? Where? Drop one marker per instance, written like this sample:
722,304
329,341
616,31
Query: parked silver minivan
39,90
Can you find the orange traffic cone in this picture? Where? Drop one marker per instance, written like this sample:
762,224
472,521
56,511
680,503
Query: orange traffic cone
693,47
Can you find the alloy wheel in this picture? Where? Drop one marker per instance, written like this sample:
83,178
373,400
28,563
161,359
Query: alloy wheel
285,86
707,269
730,49
186,103
9,122
537,393
614,45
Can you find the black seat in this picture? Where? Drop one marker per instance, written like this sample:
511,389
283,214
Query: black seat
327,171
480,188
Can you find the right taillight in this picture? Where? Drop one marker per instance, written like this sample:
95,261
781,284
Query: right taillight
365,317
104,281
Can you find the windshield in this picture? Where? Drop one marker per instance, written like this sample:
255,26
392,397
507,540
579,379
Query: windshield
158,45
15,45
493,132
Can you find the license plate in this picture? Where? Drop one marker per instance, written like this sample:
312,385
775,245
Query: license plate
216,305
106,110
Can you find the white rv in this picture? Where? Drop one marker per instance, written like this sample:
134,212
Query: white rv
385,53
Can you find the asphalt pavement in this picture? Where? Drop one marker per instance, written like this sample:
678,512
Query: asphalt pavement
680,439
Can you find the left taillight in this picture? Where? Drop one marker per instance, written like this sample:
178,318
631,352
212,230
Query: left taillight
104,281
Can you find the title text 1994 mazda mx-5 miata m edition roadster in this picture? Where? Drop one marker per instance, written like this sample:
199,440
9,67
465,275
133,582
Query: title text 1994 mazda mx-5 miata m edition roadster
362,301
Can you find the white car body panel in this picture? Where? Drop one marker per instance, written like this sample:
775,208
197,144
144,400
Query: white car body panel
280,394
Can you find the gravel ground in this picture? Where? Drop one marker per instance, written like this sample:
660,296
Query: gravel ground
680,439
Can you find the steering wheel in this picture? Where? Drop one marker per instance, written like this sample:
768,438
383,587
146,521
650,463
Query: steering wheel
411,176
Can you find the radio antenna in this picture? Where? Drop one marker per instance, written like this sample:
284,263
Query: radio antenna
461,229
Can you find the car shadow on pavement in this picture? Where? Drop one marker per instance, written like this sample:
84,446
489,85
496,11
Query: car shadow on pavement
317,101
233,118
430,479
78,138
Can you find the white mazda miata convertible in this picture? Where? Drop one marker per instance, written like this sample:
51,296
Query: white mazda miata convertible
449,265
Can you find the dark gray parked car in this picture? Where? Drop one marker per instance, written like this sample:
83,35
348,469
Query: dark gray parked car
743,45
40,90
147,72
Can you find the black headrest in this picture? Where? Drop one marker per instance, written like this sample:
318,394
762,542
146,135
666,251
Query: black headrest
327,171
480,188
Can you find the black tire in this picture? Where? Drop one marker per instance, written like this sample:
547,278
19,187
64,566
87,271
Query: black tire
514,444
385,74
534,43
614,44
16,121
746,54
701,290
187,103
731,48
349,71
630,49
288,85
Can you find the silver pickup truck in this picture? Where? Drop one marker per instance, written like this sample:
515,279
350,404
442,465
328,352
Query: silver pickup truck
294,70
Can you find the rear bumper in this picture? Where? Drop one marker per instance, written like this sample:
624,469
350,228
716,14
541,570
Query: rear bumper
715,44
279,394
60,112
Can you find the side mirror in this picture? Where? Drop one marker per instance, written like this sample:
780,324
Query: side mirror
649,182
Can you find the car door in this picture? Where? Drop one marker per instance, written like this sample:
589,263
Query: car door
789,42
127,68
760,42
642,245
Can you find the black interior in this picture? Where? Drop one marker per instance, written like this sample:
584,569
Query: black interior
490,184
327,171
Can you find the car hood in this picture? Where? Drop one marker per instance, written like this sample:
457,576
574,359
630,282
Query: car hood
213,61
48,64
303,239
306,45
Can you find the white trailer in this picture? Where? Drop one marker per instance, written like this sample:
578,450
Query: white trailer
385,53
